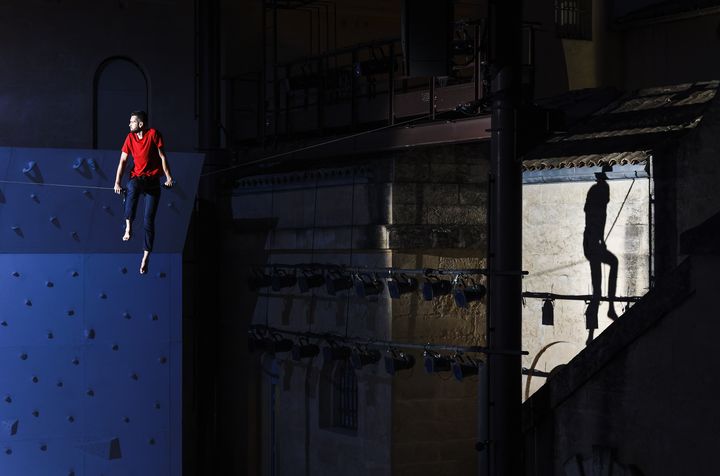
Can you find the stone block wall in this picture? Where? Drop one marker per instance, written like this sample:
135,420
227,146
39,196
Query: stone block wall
553,225
418,208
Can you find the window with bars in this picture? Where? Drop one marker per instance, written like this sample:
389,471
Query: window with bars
344,396
573,19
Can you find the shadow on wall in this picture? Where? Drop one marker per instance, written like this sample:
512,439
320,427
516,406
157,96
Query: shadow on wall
596,251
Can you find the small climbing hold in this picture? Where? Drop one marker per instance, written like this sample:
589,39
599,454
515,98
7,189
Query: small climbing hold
50,335
90,333
35,413
90,392
70,312
49,284
102,296
60,384
35,379
23,356
76,361
28,302
15,274
115,347
74,274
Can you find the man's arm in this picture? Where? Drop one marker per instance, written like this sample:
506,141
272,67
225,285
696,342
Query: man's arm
120,170
166,169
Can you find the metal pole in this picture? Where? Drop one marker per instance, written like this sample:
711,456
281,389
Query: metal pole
505,249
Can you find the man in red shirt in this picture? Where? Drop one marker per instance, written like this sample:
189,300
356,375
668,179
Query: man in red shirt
145,145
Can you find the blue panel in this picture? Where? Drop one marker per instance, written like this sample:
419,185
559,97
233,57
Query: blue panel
53,201
109,370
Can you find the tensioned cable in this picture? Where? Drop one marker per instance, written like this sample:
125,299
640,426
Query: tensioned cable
314,146
64,185
621,209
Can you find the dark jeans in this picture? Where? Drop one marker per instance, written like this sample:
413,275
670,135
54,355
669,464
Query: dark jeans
150,187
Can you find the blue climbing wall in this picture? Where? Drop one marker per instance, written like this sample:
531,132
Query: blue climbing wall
90,350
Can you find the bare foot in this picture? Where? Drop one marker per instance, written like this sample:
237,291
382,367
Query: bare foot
144,264
128,232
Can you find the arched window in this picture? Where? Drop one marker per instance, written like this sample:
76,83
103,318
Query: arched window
120,88
339,397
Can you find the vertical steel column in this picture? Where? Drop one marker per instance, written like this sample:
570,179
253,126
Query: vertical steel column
209,74
505,249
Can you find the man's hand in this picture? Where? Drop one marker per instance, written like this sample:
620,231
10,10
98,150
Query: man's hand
169,182
118,188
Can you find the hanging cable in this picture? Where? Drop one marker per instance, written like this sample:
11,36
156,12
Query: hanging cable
621,208
62,185
314,146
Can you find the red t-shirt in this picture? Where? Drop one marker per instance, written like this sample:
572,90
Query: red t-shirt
145,153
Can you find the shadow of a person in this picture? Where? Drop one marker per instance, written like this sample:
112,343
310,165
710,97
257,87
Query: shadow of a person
596,251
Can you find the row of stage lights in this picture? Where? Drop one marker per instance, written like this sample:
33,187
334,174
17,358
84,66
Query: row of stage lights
463,287
462,366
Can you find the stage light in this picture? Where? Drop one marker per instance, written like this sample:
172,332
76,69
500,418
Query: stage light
398,361
309,280
436,363
304,350
337,281
259,280
362,357
366,285
548,312
401,284
272,344
465,294
283,279
434,287
464,367
334,352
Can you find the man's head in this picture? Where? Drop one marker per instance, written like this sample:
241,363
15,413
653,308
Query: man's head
138,120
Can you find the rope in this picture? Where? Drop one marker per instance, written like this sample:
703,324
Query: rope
619,211
62,185
314,146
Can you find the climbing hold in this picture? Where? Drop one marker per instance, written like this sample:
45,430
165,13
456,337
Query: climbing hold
55,221
92,164
154,317
161,274
10,427
35,379
70,312
90,392
23,356
49,284
59,384
157,405
75,361
43,447
35,413
50,335
28,302
4,323
162,360
134,376
78,163
16,274
8,399
90,333
127,315
151,441
8,451
71,419
115,347
123,270
126,419
75,274
29,166
102,296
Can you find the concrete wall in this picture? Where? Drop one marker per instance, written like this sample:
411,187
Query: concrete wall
54,51
553,225
439,201
419,208
615,397
671,52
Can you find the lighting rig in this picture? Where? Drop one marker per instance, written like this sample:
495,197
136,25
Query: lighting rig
360,353
369,282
